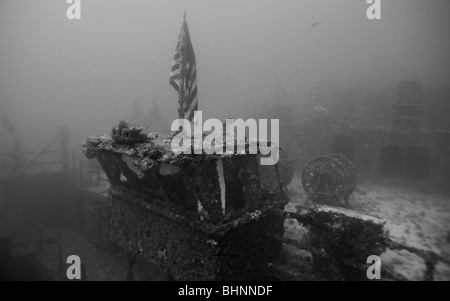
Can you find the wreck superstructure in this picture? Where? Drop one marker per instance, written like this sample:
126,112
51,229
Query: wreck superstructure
400,133
199,217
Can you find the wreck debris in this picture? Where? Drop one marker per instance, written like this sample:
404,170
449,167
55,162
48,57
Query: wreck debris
329,179
341,241
431,258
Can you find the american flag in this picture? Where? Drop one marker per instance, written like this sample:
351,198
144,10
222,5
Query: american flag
183,75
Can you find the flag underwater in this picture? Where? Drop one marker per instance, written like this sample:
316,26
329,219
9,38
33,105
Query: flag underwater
183,74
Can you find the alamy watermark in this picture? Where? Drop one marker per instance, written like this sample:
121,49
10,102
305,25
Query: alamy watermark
374,270
233,137
74,270
374,10
74,10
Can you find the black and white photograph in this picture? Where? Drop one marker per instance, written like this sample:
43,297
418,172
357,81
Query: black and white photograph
249,142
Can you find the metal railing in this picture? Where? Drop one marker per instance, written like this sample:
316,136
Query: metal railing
21,167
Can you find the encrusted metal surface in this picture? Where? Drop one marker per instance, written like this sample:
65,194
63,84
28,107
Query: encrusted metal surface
200,217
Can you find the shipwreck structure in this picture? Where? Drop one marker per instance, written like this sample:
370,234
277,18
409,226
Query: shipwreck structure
399,133
198,217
